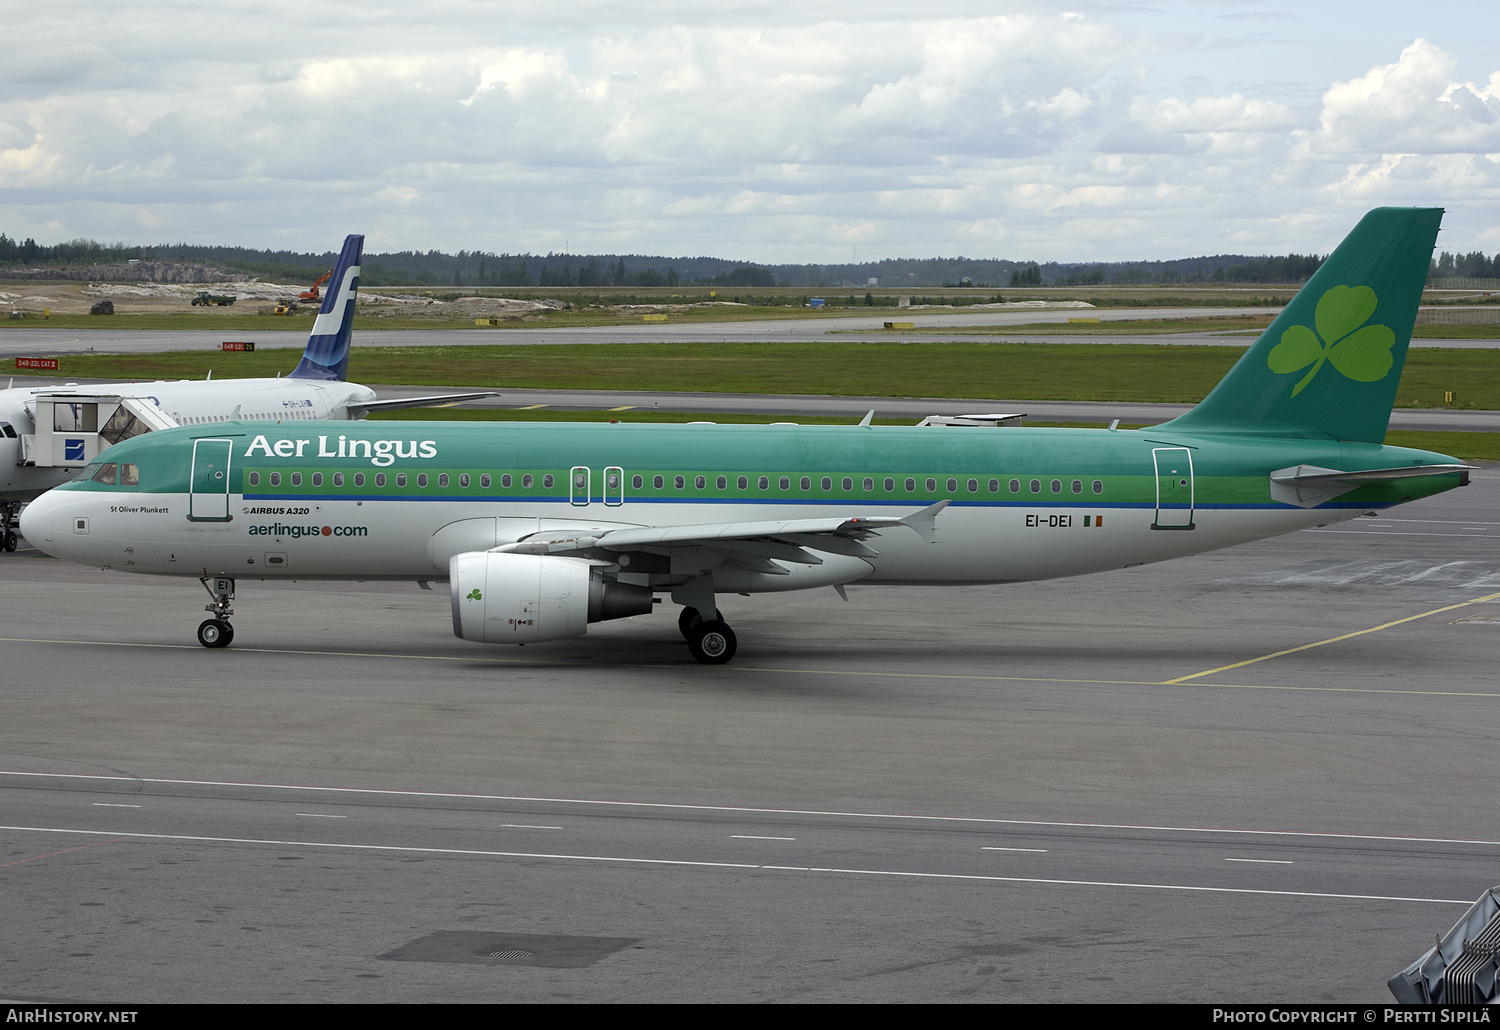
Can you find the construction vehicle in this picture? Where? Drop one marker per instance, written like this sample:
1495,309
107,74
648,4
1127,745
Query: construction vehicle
313,294
205,298
285,307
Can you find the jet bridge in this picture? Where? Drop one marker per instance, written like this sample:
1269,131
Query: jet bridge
72,428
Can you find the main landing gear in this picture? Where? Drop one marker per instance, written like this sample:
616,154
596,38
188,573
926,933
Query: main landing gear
217,632
711,641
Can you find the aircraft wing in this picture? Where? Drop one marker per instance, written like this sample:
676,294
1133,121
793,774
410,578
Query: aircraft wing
788,539
435,401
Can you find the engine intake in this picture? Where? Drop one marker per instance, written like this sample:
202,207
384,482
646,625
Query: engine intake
503,598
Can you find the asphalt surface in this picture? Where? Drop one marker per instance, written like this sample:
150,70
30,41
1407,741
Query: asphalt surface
1250,776
33,341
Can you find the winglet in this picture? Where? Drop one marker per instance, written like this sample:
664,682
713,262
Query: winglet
868,416
925,521
327,354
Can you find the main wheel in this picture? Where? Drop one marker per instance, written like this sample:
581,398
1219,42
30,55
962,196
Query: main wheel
10,539
213,633
712,642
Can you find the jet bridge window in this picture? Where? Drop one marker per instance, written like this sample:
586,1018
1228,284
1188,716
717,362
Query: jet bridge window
122,425
75,418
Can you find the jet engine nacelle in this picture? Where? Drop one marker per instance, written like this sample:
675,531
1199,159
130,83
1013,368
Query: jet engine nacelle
501,598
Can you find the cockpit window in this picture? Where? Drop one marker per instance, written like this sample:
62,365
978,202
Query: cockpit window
108,474
6,431
130,475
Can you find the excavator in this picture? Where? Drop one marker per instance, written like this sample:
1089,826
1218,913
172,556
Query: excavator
313,294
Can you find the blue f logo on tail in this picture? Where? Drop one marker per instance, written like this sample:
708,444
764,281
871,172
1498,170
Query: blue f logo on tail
327,354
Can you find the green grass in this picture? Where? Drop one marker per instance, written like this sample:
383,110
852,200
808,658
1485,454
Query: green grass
1466,446
1034,371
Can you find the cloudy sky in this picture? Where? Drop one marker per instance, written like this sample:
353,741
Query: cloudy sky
797,132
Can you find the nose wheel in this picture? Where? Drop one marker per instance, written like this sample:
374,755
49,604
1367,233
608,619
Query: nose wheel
8,536
217,632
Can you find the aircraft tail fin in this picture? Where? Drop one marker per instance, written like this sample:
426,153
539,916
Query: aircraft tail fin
327,354
1330,362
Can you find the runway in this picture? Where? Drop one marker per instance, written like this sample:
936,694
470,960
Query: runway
40,341
1242,777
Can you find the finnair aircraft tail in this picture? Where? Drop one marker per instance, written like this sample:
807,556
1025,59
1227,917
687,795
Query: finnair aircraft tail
327,354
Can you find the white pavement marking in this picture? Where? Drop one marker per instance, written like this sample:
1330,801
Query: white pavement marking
626,860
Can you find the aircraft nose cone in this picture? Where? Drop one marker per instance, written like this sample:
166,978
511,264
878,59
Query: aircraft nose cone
36,522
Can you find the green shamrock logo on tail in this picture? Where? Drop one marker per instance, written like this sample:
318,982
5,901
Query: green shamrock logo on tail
1361,354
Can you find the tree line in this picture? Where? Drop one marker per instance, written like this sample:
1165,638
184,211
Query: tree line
433,268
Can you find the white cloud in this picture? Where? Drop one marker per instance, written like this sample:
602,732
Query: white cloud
747,130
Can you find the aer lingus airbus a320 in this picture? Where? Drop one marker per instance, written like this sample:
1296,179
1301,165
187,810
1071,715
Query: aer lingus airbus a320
542,529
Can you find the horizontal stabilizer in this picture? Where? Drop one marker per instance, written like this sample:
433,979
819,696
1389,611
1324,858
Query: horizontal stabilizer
1308,486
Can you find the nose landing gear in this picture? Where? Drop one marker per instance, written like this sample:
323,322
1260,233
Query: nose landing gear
217,632
8,525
